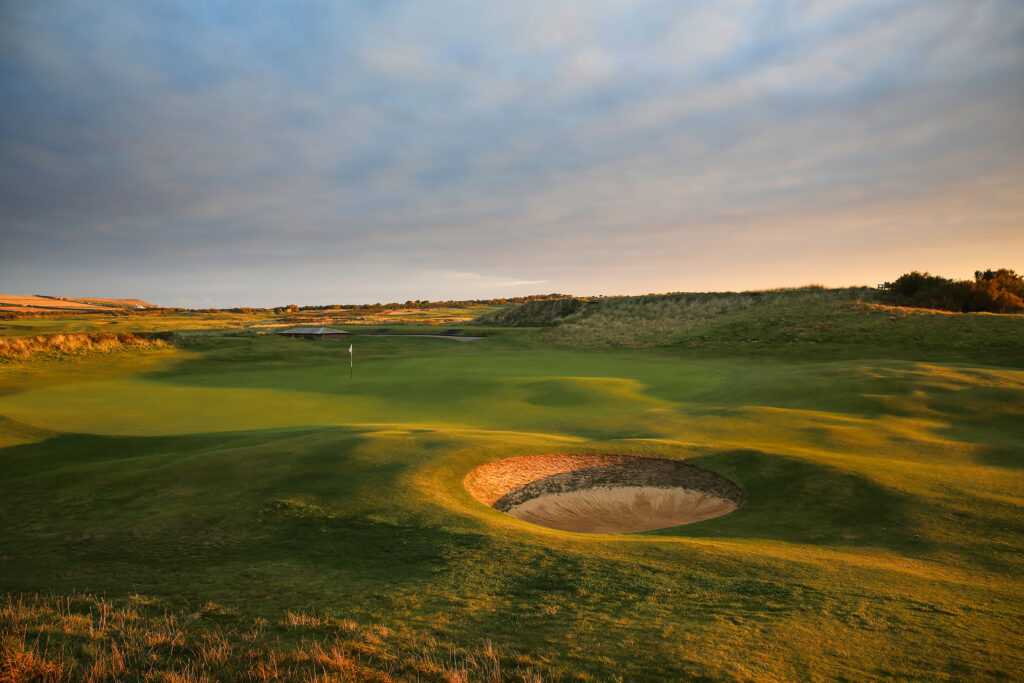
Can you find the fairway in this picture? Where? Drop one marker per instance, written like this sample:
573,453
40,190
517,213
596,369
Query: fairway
879,534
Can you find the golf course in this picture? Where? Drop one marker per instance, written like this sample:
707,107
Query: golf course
224,503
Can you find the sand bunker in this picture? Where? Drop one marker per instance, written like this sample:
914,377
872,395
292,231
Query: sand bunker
603,493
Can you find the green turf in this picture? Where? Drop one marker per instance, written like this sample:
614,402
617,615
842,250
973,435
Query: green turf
881,536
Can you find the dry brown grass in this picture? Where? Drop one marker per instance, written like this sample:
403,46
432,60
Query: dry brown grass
90,639
19,348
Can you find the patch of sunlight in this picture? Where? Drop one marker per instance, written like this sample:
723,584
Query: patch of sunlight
787,430
826,558
907,453
591,392
951,377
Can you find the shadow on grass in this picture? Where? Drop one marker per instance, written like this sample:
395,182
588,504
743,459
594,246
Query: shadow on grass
559,394
376,546
181,513
76,450
1000,437
793,500
1008,457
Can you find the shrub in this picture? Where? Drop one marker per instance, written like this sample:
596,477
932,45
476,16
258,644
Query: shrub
999,291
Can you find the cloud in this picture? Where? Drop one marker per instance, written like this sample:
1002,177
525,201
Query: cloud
248,144
522,283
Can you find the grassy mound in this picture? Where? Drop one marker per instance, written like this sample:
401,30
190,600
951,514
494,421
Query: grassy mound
810,322
667,307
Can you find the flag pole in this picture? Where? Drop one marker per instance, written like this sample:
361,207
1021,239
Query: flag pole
350,361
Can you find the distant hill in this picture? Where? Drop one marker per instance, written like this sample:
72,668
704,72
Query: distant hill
40,302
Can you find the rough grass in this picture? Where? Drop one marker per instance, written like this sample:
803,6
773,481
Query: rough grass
89,638
63,344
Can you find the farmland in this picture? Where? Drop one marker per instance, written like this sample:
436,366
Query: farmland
39,303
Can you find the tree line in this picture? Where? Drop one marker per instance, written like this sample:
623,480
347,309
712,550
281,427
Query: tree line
419,304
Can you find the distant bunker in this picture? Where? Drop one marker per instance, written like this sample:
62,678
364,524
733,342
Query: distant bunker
604,494
314,333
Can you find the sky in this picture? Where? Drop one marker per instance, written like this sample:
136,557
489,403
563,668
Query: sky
251,153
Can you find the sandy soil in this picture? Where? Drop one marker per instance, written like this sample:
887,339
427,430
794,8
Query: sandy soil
621,509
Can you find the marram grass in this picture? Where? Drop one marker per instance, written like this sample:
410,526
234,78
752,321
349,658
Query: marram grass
20,348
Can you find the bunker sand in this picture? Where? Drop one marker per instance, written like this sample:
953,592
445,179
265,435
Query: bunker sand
621,509
603,493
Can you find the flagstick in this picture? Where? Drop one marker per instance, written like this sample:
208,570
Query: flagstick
350,361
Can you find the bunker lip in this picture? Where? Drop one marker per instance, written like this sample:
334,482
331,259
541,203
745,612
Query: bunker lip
603,493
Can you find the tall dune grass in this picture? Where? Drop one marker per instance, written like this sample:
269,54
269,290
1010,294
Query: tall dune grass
668,307
63,344
659,319
708,304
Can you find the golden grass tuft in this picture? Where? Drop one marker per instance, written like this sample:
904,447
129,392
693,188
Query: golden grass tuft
18,664
67,344
301,620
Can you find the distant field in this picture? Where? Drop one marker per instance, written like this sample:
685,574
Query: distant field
454,315
108,320
100,322
53,303
235,505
